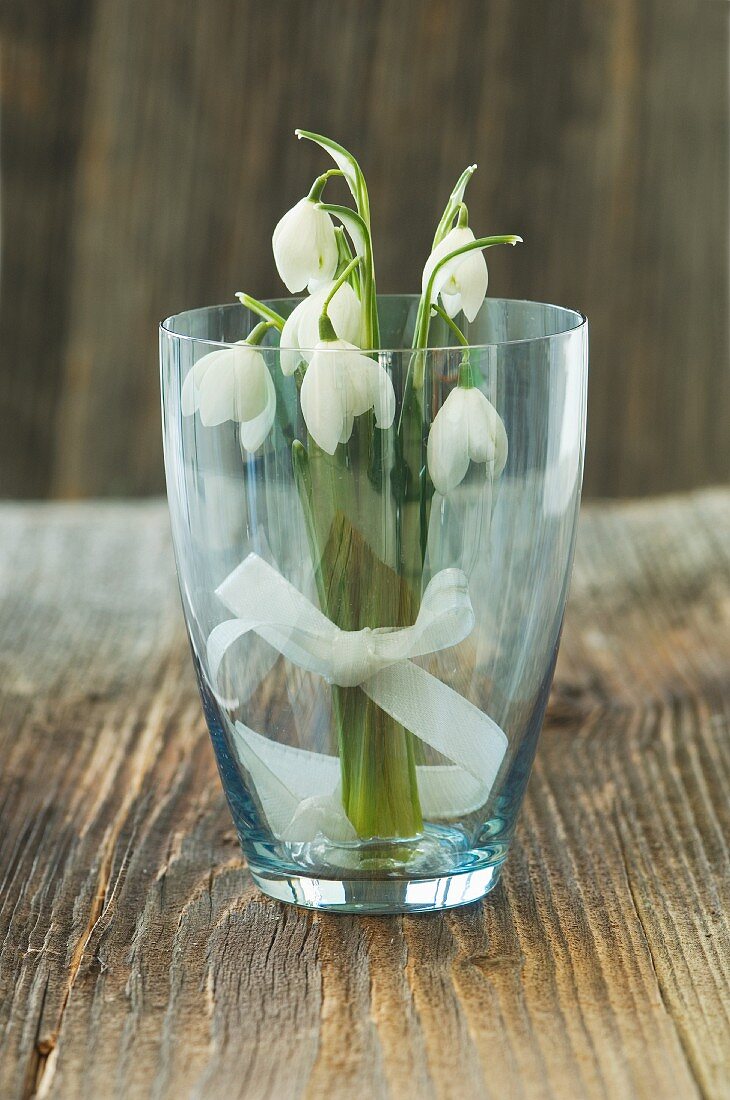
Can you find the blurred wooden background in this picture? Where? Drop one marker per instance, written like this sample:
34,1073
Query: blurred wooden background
146,152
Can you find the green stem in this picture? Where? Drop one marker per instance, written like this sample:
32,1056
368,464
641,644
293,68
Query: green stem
315,192
257,333
358,589
266,312
344,255
341,278
451,323
326,329
466,376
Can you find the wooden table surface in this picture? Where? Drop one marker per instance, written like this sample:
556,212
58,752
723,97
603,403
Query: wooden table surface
137,959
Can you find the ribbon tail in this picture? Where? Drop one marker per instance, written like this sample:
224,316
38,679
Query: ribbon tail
446,791
250,674
299,790
451,725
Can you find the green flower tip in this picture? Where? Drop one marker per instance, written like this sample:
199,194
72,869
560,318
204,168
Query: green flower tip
327,334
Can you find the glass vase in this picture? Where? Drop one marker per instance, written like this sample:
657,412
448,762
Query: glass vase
374,657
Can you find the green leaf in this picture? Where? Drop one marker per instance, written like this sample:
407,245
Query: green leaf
360,233
347,165
453,204
354,225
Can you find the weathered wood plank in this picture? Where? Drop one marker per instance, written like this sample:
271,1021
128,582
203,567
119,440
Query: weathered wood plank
147,153
137,960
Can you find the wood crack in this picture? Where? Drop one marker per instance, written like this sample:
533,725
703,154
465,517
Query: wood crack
692,1067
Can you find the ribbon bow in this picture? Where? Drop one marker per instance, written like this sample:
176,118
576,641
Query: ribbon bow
299,789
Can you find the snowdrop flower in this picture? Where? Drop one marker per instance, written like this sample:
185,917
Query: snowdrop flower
305,247
340,384
301,329
461,282
232,384
466,428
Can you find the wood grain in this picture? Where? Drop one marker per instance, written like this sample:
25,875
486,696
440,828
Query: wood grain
137,960
147,151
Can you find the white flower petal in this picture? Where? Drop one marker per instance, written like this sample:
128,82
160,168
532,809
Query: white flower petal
480,415
381,395
356,371
255,431
305,246
217,392
501,448
451,303
345,314
473,277
368,386
316,282
322,399
289,355
486,431
250,383
455,238
340,384
347,427
447,452
190,394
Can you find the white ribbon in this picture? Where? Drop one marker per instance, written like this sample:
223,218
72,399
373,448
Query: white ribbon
300,790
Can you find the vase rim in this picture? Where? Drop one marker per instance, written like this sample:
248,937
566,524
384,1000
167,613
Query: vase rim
579,319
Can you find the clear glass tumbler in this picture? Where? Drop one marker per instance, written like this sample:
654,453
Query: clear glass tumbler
374,657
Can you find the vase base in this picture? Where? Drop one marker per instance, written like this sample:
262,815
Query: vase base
379,896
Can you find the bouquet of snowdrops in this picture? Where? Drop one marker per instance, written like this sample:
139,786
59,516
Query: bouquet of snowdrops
370,461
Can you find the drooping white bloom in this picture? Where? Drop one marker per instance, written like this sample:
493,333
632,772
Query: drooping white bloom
340,384
461,282
232,384
301,329
305,247
466,428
